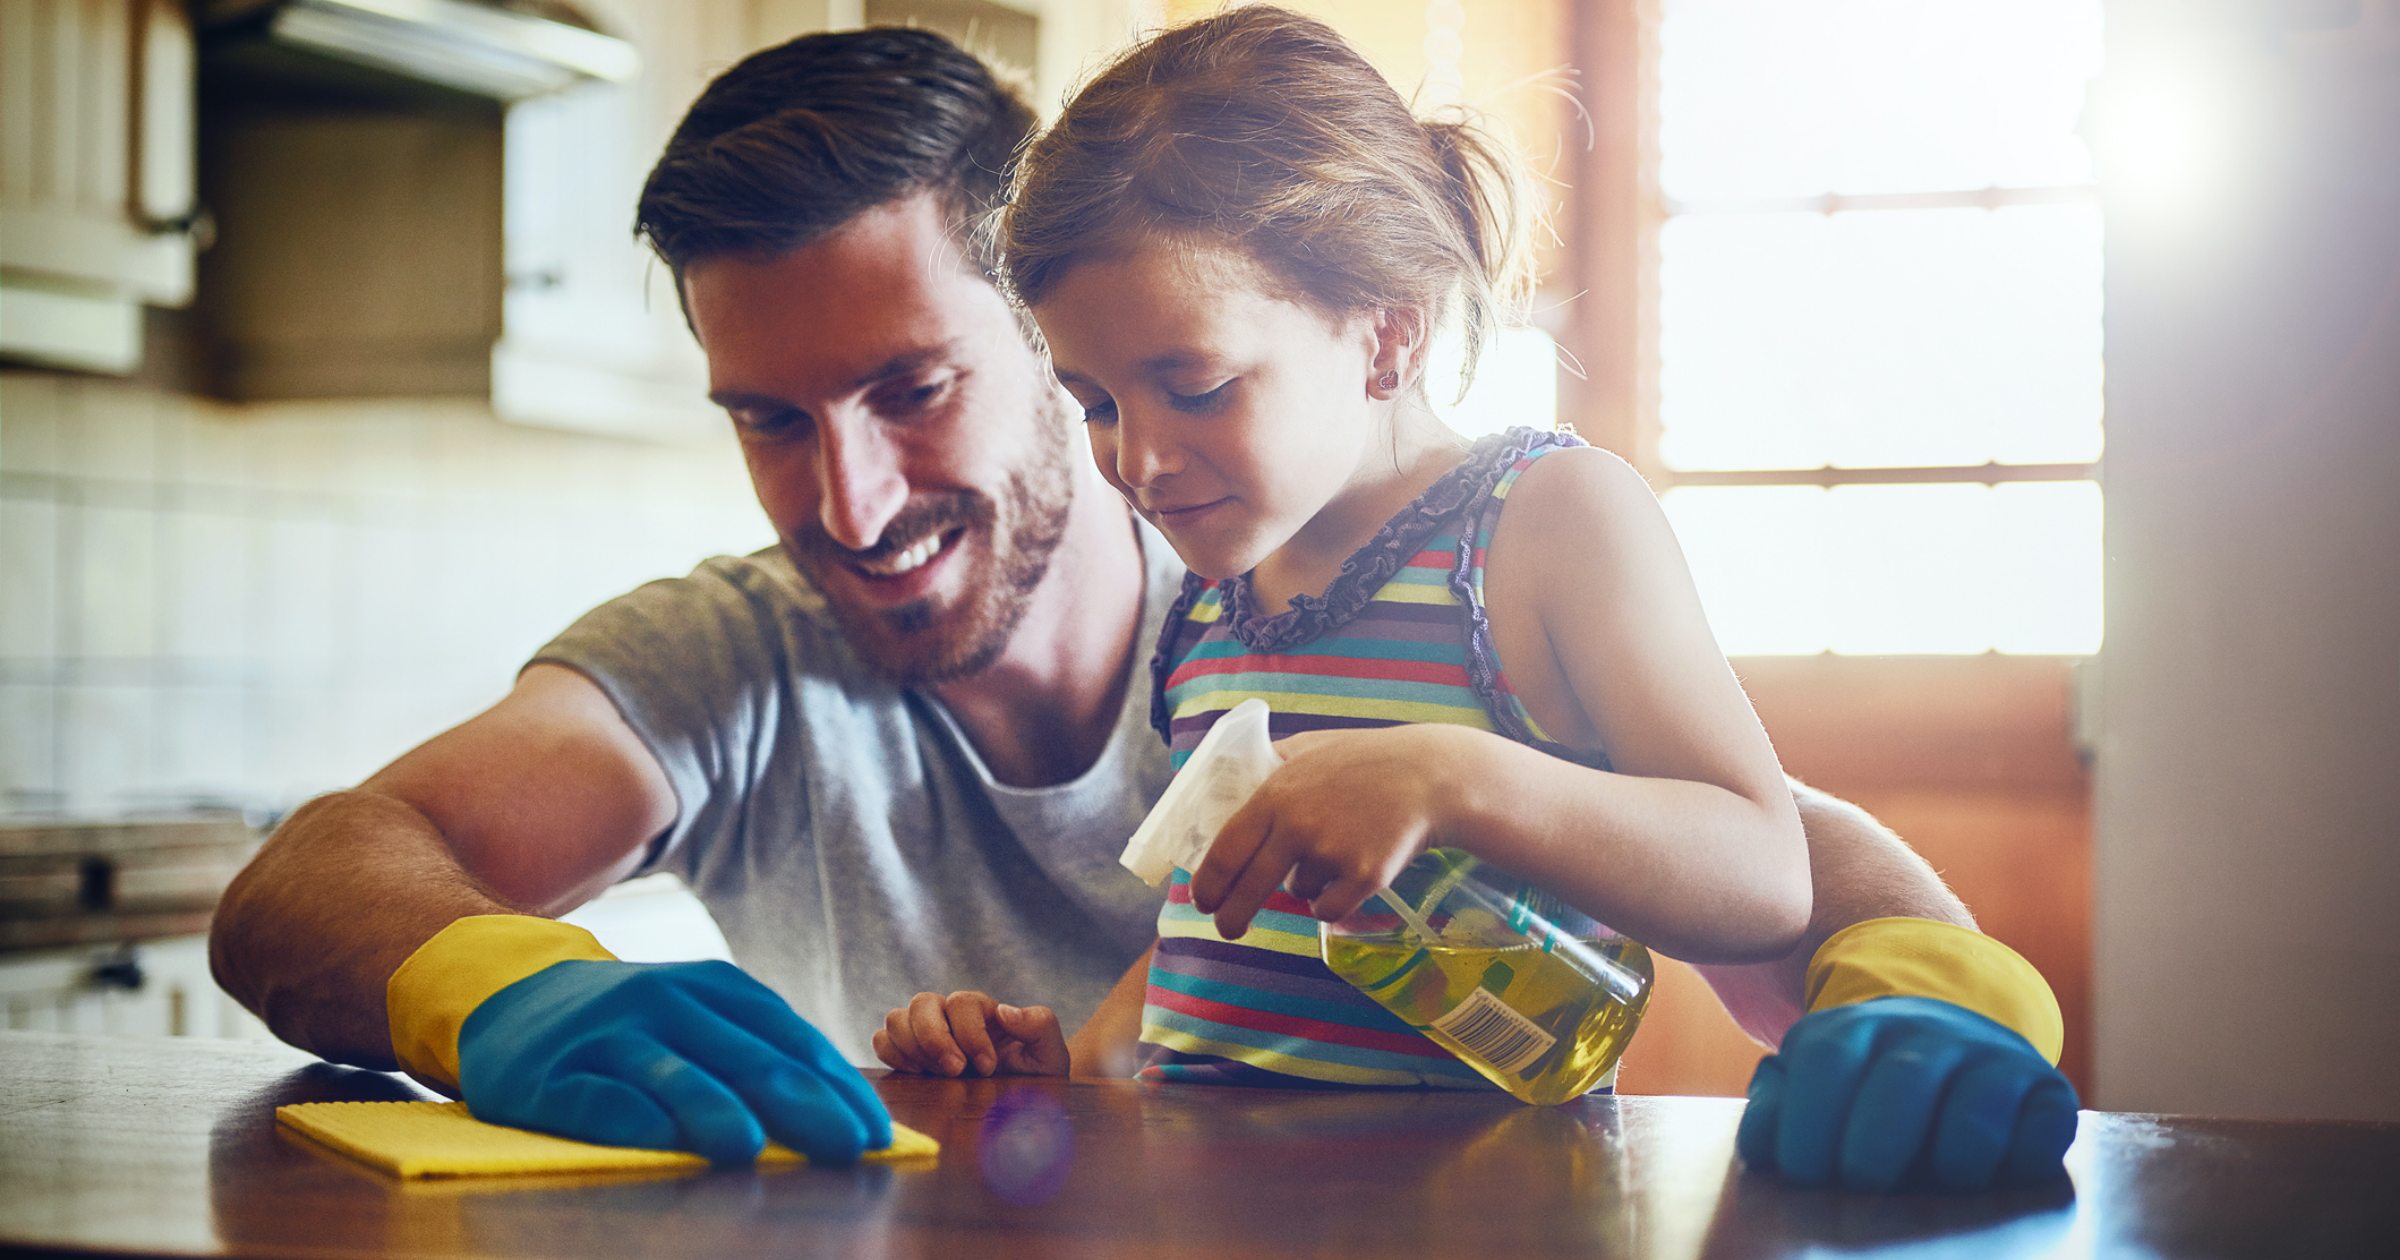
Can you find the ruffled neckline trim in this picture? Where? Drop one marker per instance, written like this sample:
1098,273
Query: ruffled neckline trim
1464,486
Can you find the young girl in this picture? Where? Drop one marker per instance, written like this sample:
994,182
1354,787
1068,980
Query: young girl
1237,242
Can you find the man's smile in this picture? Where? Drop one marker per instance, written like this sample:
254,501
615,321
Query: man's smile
908,558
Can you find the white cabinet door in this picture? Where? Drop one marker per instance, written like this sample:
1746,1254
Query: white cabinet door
95,176
594,338
157,988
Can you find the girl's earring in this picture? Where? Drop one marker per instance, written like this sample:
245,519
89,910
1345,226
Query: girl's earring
1389,382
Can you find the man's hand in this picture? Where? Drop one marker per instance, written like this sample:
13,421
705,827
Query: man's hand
969,1033
1907,1091
695,1056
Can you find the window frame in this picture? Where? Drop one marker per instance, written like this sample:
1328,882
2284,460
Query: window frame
1613,266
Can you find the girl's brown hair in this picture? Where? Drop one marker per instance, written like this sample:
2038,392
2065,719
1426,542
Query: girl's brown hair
1262,129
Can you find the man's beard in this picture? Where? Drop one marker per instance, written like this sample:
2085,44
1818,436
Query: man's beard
925,642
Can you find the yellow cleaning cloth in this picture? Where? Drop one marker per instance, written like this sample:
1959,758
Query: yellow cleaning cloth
443,1139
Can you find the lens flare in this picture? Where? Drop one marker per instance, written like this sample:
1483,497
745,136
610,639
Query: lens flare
1026,1149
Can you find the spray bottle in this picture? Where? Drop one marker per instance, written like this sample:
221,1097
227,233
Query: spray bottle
1537,996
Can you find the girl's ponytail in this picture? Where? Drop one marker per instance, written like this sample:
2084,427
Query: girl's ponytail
1485,190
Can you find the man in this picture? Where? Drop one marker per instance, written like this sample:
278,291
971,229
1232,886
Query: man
902,749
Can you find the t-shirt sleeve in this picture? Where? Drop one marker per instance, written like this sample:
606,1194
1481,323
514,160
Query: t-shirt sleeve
698,667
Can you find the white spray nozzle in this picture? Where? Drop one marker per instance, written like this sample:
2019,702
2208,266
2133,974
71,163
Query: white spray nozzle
1232,760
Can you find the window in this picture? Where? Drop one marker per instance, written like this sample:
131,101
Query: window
1874,402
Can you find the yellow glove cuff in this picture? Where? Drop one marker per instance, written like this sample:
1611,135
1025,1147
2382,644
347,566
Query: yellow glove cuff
431,995
1925,958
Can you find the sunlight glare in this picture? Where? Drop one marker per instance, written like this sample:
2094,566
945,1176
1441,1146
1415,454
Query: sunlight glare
1952,568
1881,339
1516,384
1770,98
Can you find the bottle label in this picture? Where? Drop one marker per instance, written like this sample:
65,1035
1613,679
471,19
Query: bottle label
1494,1032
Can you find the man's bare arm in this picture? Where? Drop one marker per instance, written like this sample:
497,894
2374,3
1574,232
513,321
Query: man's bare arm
531,807
1859,870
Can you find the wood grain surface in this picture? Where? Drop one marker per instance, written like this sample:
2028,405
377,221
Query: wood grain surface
170,1147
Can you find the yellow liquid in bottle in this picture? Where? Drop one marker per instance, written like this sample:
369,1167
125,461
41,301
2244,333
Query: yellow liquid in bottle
1556,1032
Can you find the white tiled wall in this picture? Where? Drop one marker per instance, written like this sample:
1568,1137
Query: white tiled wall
256,604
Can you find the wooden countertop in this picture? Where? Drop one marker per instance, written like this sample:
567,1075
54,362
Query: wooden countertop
170,1147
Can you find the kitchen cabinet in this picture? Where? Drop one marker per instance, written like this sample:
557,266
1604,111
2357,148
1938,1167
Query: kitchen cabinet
103,925
97,216
363,251
593,336
158,988
353,152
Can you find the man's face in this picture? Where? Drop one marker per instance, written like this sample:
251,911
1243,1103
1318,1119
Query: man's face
906,443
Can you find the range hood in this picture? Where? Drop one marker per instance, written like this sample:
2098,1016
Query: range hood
503,50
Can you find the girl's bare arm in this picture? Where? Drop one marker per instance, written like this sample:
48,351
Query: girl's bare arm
1694,835
1108,1043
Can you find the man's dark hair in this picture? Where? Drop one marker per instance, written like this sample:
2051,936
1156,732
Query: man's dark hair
793,142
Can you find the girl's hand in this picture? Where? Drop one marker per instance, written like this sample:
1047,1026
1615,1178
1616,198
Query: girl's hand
1336,821
969,1033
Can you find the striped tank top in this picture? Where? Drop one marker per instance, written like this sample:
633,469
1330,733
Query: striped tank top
1399,637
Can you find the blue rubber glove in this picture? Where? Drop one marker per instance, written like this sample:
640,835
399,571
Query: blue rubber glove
673,1056
1908,1091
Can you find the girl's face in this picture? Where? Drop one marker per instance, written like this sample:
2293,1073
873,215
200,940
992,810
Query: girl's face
1237,422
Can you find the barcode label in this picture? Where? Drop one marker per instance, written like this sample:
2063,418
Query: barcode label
1493,1032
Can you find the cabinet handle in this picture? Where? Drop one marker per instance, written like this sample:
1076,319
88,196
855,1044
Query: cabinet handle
120,970
196,223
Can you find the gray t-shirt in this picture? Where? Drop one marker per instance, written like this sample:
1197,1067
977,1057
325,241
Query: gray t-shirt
842,830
